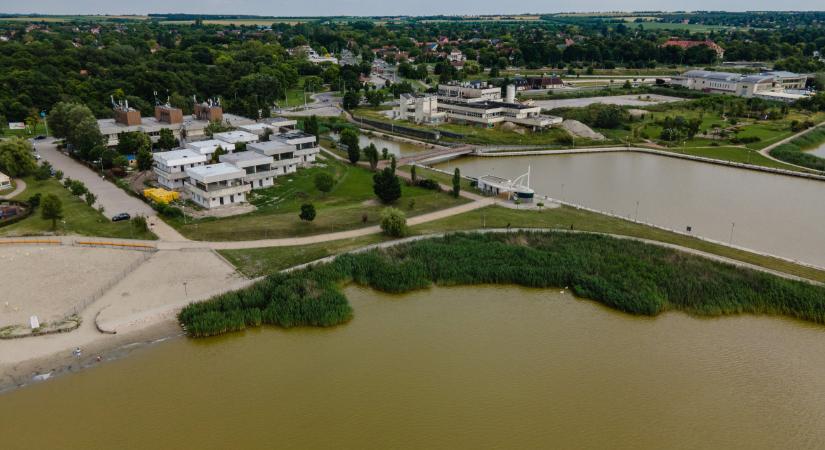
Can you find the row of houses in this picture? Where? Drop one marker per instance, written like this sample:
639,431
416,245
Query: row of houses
781,86
475,102
236,173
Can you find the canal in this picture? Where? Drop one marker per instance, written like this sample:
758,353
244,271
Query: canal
395,147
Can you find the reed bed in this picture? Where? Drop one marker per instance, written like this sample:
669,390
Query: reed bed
629,276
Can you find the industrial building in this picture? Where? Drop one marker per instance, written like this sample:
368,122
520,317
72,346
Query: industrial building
778,86
183,127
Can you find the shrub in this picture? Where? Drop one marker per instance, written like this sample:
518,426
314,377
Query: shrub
324,182
393,222
430,184
139,223
307,212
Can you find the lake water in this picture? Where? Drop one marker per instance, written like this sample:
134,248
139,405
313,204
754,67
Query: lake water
481,367
397,148
780,215
819,151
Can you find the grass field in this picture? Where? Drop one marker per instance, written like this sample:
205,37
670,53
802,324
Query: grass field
78,217
342,209
256,262
39,129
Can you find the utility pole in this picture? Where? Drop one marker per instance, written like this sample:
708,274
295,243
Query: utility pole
637,210
732,226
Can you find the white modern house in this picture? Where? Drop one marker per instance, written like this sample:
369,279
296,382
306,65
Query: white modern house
5,181
305,145
419,108
236,137
170,167
284,159
208,147
216,185
259,169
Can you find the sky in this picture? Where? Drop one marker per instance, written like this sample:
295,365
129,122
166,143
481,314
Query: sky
385,7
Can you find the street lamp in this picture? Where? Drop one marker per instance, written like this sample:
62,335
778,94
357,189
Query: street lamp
732,226
185,290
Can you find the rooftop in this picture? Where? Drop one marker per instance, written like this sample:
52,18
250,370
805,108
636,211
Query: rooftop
236,136
220,170
177,157
235,158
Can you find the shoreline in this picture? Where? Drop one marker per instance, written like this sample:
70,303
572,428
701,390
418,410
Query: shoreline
17,375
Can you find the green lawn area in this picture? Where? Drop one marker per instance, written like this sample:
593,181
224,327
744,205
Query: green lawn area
255,262
295,95
78,217
733,154
342,209
39,129
445,179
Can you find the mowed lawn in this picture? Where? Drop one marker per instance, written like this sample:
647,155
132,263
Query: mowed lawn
344,208
262,261
78,217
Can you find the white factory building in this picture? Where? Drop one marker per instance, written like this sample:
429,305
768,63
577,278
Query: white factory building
474,102
781,86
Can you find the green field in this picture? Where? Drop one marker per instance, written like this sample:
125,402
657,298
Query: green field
342,209
78,217
256,262
39,129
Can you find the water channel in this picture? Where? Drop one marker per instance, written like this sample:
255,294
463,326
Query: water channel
771,213
395,147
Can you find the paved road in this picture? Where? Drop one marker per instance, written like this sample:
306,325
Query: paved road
19,187
766,152
111,197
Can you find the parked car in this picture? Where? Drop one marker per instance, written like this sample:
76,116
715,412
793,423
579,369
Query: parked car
39,137
37,156
121,216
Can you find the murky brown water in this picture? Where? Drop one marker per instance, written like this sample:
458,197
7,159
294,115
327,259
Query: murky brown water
397,148
777,214
482,367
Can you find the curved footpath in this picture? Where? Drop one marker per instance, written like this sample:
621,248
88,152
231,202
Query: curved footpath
766,152
20,186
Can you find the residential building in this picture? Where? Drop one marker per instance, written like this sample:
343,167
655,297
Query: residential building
216,185
281,124
313,56
720,52
419,108
209,146
305,146
283,155
170,167
5,181
236,137
259,169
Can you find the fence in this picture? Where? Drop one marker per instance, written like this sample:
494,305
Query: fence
98,293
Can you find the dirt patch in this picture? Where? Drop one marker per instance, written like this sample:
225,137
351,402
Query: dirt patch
579,129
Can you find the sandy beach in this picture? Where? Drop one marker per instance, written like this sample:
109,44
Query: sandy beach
138,306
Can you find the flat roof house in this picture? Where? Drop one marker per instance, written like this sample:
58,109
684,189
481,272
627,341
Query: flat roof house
481,103
170,167
259,169
282,153
5,181
209,146
216,185
304,144
236,137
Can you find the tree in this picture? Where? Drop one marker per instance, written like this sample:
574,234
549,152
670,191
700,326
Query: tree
351,100
349,138
372,155
307,212
90,198
51,208
324,182
413,175
132,142
16,157
76,123
386,185
311,126
167,140
456,182
216,155
393,222
144,160
44,171
215,127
